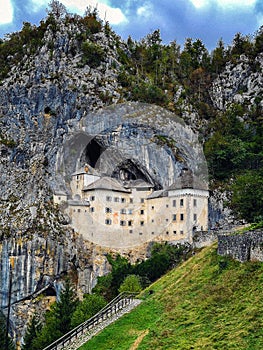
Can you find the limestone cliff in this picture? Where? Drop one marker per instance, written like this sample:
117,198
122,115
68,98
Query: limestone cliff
52,110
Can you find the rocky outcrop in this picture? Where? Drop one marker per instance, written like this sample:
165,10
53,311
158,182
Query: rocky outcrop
240,82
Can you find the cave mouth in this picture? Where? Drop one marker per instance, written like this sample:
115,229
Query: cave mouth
50,292
92,153
128,170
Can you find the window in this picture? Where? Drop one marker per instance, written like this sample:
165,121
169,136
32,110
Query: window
181,202
152,220
123,200
181,232
123,223
195,217
92,198
166,220
174,232
174,217
77,177
79,210
167,205
142,212
92,209
129,223
129,211
174,203
123,211
59,198
108,198
152,206
116,199
130,231
142,200
167,232
182,217
152,233
140,233
108,210
195,202
142,223
108,221
131,200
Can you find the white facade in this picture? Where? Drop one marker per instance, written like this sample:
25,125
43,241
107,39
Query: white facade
116,214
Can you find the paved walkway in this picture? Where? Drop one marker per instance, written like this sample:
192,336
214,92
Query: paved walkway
76,344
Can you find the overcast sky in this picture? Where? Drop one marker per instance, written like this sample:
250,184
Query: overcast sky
177,20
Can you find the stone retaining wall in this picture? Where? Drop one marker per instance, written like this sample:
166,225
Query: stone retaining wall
242,247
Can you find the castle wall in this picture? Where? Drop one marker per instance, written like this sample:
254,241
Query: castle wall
242,247
120,219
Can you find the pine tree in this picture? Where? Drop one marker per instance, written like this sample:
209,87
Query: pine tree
58,318
3,334
32,331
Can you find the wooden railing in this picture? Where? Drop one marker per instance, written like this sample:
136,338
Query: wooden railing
111,309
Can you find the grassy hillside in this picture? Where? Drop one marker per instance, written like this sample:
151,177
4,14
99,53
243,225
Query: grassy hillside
209,302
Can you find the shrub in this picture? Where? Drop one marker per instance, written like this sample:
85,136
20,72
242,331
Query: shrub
93,54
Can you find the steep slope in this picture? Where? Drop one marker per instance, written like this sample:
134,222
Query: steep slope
209,302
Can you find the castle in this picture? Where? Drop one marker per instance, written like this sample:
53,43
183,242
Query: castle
122,212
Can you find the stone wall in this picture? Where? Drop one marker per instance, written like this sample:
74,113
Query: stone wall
242,247
204,238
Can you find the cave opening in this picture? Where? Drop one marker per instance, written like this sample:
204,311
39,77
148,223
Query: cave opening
50,292
92,153
128,170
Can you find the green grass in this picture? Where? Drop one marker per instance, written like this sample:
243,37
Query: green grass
209,302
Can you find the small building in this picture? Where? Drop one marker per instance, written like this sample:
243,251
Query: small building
60,197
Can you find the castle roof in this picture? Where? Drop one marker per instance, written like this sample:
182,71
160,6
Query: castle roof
106,183
157,194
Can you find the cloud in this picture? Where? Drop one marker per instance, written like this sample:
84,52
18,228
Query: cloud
177,20
146,10
6,12
112,14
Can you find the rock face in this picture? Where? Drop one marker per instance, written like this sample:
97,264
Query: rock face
52,120
240,82
125,137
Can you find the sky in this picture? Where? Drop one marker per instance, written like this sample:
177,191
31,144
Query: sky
208,20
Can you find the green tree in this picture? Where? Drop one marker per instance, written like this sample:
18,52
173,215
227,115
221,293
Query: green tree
3,334
247,197
93,54
56,9
32,331
132,283
58,319
90,305
219,57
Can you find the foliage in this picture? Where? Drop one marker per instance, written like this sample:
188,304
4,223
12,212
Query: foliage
131,283
208,302
163,257
3,334
90,305
247,197
149,93
93,54
57,319
32,331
